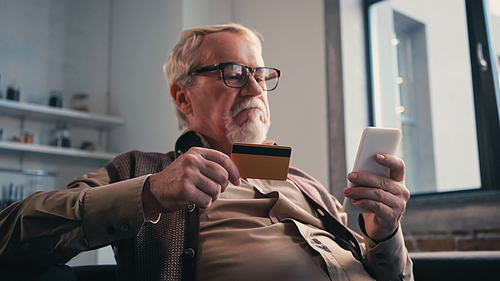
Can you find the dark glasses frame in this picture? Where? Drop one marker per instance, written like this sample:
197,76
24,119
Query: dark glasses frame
222,66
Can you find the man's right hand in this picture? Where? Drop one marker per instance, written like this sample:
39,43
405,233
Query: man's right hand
198,176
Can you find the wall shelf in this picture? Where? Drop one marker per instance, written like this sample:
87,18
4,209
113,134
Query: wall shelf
52,150
55,114
30,172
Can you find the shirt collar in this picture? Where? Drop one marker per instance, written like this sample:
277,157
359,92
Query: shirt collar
187,140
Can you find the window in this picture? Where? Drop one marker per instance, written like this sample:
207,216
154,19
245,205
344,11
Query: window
431,76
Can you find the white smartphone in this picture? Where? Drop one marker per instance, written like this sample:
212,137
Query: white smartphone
374,140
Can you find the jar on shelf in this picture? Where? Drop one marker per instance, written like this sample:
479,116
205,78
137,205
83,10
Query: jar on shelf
55,99
62,136
80,102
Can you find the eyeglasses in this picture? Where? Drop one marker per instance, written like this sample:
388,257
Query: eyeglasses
235,75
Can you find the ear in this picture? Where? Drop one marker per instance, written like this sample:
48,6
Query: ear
179,96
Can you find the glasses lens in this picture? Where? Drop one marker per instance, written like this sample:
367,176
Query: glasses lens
267,78
235,75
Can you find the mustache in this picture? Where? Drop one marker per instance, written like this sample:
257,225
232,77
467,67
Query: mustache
249,103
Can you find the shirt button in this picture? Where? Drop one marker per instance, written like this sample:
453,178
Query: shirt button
190,208
124,227
320,212
379,256
189,254
27,247
111,230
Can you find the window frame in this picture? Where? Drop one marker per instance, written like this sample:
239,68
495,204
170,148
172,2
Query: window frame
485,95
485,92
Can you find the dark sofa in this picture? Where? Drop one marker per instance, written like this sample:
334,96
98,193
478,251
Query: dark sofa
428,266
456,266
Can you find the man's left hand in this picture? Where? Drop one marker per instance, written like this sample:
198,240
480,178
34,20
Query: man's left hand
384,197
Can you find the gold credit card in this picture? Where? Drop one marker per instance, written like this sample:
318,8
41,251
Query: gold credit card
260,161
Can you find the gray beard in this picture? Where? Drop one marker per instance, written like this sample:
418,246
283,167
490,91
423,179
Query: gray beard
253,131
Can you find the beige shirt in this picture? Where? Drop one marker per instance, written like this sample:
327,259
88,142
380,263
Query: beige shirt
267,230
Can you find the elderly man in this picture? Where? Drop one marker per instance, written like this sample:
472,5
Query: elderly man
187,214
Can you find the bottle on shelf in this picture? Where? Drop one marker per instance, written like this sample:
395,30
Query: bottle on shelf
13,92
28,137
10,194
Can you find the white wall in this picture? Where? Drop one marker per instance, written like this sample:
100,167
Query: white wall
55,45
197,13
143,34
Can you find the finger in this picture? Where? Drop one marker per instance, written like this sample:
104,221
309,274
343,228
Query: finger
226,162
197,161
208,186
200,198
383,204
373,194
371,180
380,210
216,173
193,179
395,165
385,215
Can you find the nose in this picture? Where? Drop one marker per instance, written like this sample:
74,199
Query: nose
252,88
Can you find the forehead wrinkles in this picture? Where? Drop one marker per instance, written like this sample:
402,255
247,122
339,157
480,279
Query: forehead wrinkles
213,53
203,54
219,48
205,57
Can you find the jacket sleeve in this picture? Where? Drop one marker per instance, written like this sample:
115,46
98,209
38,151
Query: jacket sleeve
50,228
387,260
